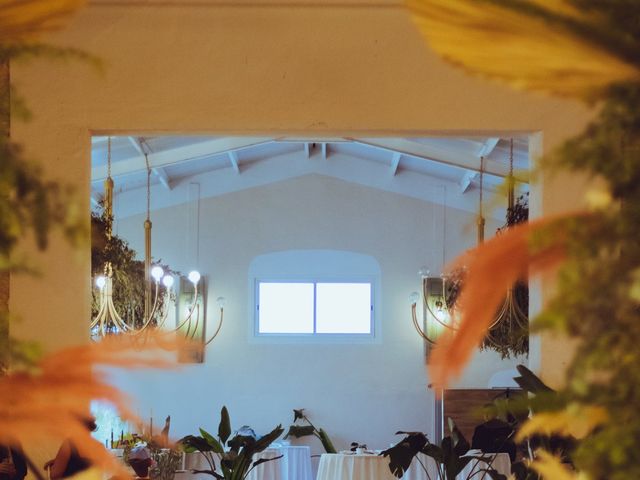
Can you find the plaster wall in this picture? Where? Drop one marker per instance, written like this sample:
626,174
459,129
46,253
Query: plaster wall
356,392
189,67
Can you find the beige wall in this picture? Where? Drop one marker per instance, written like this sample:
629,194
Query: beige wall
310,70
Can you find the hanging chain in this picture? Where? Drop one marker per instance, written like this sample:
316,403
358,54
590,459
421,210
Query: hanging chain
146,159
108,194
481,183
109,157
511,181
481,221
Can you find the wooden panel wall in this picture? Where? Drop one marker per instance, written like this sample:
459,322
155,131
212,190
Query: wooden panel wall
464,406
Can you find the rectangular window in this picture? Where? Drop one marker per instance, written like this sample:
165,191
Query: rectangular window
314,308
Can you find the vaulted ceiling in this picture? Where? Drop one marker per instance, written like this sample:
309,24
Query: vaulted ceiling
441,170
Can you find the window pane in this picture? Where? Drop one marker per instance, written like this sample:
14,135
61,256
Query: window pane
343,308
285,308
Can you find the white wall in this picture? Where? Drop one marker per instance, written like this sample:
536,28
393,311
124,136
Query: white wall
356,392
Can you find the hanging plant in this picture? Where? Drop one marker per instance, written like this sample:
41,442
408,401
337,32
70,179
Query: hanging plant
510,336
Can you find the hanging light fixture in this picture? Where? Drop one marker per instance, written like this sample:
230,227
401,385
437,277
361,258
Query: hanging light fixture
511,312
439,293
108,321
439,312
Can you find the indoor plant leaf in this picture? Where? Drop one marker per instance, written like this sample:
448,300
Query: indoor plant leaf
224,428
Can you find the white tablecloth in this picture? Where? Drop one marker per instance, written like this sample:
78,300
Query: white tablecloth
295,464
353,467
501,463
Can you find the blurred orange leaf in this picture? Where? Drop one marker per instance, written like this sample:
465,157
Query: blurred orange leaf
51,403
491,269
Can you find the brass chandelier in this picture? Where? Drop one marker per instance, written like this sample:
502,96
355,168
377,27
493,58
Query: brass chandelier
439,293
158,285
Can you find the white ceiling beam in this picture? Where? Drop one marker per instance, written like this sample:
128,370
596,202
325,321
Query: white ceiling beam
233,158
435,154
487,147
137,144
163,177
95,202
311,140
466,180
142,147
395,163
178,155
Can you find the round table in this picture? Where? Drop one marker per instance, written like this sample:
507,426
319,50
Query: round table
295,464
339,466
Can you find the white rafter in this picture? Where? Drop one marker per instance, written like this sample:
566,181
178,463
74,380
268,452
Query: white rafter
233,158
487,147
179,155
142,147
468,177
435,154
395,163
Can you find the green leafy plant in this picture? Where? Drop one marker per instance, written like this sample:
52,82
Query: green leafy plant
451,456
229,458
518,409
299,431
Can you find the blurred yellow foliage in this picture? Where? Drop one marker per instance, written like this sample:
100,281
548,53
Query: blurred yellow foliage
522,50
23,20
551,468
575,420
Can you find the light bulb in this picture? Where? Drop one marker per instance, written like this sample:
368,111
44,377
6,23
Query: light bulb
194,276
423,272
414,297
157,272
101,281
167,281
221,301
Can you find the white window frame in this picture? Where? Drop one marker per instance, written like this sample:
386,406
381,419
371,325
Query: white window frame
315,266
315,280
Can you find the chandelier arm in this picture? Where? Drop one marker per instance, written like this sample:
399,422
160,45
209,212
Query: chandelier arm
450,327
195,326
165,313
187,334
149,318
416,324
101,310
426,305
215,334
191,310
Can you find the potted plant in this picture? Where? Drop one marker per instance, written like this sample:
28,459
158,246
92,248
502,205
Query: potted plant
451,456
299,431
229,458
